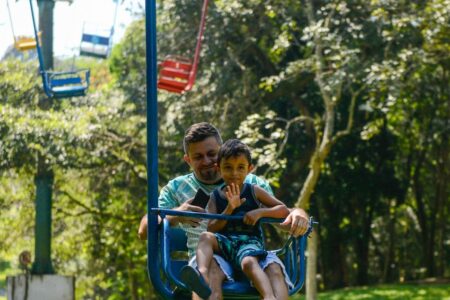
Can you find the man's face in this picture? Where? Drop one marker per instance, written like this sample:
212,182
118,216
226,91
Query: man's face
202,158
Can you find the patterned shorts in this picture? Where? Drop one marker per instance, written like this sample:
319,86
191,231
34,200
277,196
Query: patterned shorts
235,247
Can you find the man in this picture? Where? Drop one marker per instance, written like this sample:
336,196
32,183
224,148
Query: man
201,145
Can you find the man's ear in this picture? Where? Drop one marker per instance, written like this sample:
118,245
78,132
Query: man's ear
187,159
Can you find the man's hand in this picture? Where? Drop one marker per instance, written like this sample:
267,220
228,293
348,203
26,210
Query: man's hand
187,206
142,232
296,222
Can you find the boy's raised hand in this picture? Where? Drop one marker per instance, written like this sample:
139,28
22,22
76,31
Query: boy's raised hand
233,194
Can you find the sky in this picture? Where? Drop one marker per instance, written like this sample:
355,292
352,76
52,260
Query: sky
96,15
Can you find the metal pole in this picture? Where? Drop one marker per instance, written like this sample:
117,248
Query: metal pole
153,263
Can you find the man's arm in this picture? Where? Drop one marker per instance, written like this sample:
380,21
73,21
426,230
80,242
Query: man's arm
297,222
142,232
173,220
186,206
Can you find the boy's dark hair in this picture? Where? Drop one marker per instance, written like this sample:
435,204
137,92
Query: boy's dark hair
234,148
199,132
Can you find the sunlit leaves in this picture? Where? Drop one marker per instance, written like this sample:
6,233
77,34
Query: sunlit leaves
266,138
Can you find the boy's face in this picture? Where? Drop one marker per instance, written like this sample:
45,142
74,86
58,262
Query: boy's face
202,157
234,169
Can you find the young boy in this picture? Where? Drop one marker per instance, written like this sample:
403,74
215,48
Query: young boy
239,243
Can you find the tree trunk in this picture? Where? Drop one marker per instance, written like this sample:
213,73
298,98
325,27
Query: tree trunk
362,246
389,255
311,270
441,200
46,27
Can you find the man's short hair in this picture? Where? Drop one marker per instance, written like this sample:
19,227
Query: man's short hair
199,132
234,148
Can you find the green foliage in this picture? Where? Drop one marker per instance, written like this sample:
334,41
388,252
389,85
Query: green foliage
382,199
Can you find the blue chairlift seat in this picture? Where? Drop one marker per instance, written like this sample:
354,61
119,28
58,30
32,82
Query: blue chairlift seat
60,84
173,240
66,84
95,45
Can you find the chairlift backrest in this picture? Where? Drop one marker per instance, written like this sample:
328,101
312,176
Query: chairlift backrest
24,43
96,42
94,45
177,74
21,43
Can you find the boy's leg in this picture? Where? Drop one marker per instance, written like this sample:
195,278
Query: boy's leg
250,266
276,277
217,276
207,245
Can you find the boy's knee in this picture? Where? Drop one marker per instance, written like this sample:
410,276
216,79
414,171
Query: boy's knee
207,237
248,263
273,270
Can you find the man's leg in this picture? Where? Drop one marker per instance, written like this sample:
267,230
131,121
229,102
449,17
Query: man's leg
277,281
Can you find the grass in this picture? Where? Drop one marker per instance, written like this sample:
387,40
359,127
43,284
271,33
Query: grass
391,292
381,292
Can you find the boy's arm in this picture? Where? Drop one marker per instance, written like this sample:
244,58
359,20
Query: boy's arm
215,225
274,208
234,200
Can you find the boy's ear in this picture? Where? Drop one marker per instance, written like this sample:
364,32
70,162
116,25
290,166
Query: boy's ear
250,168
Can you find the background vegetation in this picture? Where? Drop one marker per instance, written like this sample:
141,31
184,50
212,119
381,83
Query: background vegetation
382,200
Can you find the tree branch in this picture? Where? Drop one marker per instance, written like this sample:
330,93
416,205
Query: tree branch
351,112
88,210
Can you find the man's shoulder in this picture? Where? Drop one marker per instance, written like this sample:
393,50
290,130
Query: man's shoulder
181,180
178,190
253,179
261,182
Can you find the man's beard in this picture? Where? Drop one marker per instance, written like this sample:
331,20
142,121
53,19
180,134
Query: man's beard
209,175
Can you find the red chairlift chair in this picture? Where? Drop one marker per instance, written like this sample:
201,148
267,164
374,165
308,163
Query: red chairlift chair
177,74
